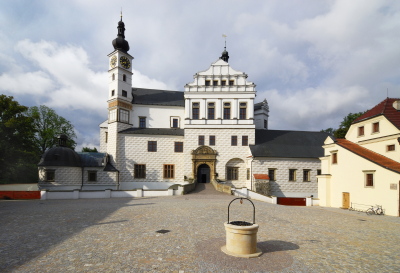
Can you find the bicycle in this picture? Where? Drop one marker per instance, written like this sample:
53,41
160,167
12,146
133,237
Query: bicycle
375,210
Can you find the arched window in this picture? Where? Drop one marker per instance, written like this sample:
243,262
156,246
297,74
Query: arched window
113,77
124,78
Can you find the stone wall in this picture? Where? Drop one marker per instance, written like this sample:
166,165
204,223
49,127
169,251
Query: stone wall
226,152
282,187
133,150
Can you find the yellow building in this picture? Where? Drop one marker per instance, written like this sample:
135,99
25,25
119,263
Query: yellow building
363,170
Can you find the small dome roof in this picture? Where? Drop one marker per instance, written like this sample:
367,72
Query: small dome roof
60,156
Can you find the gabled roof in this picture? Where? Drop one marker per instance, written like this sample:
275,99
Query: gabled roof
383,108
157,97
376,158
288,144
154,131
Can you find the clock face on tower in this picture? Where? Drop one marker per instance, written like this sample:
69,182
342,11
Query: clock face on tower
124,61
113,61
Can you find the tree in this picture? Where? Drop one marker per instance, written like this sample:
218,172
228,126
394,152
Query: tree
346,123
18,151
49,125
89,150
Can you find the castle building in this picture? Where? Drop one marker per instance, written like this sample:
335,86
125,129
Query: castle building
213,131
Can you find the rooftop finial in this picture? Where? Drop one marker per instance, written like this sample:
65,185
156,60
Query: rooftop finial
121,13
225,56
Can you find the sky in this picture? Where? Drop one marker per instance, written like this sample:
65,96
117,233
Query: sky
314,61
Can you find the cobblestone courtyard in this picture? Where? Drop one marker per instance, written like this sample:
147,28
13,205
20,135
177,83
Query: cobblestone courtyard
120,235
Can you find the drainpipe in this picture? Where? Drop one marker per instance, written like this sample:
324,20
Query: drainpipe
117,180
251,173
83,175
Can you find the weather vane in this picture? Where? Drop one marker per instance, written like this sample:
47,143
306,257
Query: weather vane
223,35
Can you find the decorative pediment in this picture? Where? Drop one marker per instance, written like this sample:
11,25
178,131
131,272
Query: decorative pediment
204,150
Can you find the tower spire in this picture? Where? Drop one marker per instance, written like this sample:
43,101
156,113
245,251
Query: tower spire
120,43
225,55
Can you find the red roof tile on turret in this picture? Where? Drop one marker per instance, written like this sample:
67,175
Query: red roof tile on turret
383,108
376,158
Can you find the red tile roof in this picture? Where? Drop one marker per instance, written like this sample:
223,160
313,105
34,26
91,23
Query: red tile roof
383,108
261,176
376,158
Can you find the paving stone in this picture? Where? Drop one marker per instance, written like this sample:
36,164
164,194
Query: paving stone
120,235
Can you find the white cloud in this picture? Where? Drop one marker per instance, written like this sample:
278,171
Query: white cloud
30,83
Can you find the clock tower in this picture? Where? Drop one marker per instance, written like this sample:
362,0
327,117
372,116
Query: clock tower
119,91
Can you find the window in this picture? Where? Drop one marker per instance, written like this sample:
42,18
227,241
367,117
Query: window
178,147
92,176
306,176
152,146
208,82
124,115
375,127
233,140
106,136
212,141
195,110
361,131
175,123
201,140
391,148
113,93
319,172
334,158
140,171
223,82
227,110
50,175
271,174
124,93
211,110
142,122
242,110
248,174
231,82
245,140
112,115
124,77
215,83
292,175
233,173
113,77
169,170
369,178
265,124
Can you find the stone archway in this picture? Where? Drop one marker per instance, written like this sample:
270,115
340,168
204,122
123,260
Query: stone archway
204,155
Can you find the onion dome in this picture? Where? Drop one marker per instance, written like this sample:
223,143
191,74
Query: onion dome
60,155
120,43
225,55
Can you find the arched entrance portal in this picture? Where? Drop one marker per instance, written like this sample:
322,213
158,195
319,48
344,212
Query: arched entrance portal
203,174
204,159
